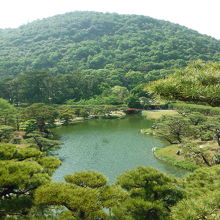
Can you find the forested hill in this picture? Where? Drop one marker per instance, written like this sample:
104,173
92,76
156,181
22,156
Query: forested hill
92,40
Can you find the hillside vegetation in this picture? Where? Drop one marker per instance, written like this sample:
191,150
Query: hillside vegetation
94,58
92,40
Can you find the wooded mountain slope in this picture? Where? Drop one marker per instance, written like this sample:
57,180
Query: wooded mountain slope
92,40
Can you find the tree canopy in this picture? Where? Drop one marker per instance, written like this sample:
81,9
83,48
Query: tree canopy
198,82
81,55
92,40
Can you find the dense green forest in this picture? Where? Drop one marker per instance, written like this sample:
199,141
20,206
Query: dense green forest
81,55
91,40
89,58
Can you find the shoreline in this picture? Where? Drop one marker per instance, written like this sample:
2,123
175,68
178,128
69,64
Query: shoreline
187,165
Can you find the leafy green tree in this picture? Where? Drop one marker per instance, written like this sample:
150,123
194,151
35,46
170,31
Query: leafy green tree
196,118
212,126
133,101
66,113
198,82
35,86
201,181
22,170
102,40
194,153
17,182
139,209
120,92
7,113
112,196
11,151
49,164
42,143
85,195
139,90
16,153
134,78
82,202
29,125
6,133
206,206
44,115
175,128
202,195
87,179
152,193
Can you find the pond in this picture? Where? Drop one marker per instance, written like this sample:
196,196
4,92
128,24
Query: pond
109,146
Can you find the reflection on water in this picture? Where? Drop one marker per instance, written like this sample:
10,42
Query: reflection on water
108,146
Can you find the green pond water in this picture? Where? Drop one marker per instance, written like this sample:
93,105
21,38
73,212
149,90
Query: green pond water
109,146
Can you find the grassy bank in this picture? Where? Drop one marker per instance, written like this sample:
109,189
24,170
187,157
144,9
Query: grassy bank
168,154
156,114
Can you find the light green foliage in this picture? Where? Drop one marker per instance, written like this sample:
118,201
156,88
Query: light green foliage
24,153
7,113
67,215
121,93
7,151
44,115
196,118
187,129
23,176
83,113
112,196
133,101
29,125
17,181
203,198
50,164
40,142
201,156
18,153
139,91
6,133
66,114
206,206
202,181
87,179
134,78
22,170
146,182
85,195
198,82
139,209
174,128
69,195
151,194
203,109
211,127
